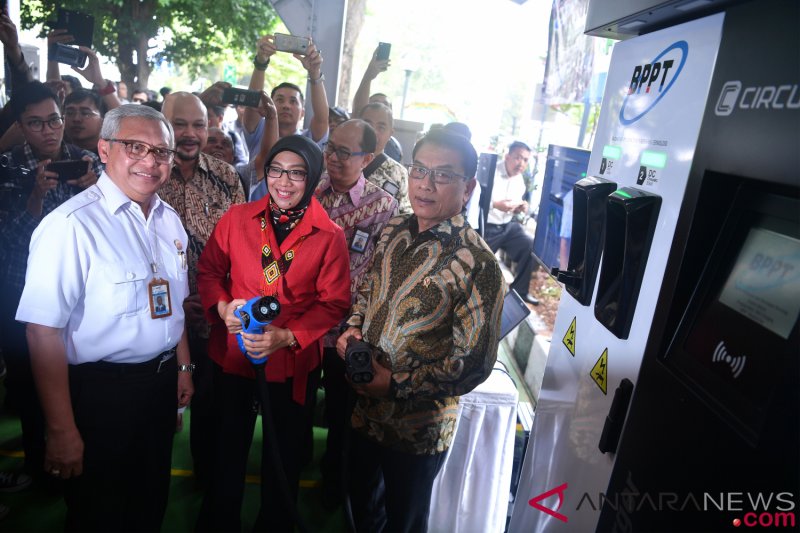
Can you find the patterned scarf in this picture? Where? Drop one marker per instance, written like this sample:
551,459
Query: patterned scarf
284,220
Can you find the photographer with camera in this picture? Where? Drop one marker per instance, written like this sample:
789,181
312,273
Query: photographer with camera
429,308
110,367
32,190
285,246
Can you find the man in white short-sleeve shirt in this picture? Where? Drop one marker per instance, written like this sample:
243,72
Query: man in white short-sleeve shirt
110,367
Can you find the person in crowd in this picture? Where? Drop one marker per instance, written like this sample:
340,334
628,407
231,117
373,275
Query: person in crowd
41,190
361,209
110,371
140,96
502,231
83,118
384,171
122,91
363,97
216,119
251,171
336,115
164,91
201,188
284,246
430,307
288,97
18,75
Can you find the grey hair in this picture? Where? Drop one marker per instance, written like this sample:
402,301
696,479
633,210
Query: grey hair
113,121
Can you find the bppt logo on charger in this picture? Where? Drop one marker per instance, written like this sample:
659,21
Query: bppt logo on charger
652,81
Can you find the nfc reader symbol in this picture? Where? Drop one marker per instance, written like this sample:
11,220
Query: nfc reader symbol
728,97
736,363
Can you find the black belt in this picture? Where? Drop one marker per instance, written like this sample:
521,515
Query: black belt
154,366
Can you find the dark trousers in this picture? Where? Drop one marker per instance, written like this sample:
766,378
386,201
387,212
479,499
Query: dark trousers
338,408
21,392
390,490
201,430
234,417
126,419
515,241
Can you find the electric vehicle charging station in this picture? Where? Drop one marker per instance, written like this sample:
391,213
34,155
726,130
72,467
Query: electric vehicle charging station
692,187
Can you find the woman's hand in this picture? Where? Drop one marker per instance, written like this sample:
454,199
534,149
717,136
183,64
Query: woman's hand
225,311
260,345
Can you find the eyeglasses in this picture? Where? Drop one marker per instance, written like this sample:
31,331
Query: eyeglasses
342,153
55,123
293,175
440,177
83,113
139,150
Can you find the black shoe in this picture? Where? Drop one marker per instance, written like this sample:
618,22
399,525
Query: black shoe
530,299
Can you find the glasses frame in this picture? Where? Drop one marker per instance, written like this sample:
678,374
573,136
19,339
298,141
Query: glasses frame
288,173
341,153
150,150
425,172
49,123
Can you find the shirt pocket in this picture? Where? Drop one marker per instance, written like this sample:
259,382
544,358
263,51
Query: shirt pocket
127,288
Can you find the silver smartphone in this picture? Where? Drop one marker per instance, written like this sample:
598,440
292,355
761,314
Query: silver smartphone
291,43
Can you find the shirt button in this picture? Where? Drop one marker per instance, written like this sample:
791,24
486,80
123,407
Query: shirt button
131,275
92,195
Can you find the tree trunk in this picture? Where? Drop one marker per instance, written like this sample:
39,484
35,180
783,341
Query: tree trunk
133,41
353,24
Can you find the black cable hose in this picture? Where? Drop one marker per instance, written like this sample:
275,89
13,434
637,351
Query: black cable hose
268,428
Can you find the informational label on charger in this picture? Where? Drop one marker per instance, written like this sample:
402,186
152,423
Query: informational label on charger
764,285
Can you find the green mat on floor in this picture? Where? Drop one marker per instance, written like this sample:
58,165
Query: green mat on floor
39,508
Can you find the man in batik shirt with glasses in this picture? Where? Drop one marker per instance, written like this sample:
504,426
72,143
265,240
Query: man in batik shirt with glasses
430,306
201,188
29,192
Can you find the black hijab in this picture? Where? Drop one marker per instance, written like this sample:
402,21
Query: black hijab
284,220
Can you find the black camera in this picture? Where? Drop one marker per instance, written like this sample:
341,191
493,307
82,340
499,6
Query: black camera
358,361
15,186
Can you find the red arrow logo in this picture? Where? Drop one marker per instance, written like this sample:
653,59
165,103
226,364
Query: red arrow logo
534,502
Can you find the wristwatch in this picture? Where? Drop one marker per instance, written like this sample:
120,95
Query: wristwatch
259,65
108,89
187,368
293,346
318,80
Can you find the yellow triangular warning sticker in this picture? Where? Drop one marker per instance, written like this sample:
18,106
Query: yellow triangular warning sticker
599,372
569,337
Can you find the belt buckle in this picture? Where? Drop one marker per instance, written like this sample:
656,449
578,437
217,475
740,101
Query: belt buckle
164,358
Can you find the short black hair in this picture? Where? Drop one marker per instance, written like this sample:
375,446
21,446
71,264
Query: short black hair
380,107
80,95
287,85
459,143
518,145
218,110
74,83
29,94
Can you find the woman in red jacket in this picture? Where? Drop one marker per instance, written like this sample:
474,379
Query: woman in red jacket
286,246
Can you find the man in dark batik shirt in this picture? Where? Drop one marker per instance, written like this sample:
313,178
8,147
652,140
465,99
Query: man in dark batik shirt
431,305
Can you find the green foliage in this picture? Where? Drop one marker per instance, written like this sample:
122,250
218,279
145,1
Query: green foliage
191,33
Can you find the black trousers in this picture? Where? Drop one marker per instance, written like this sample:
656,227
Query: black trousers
126,417
201,430
516,242
20,387
234,418
390,490
339,402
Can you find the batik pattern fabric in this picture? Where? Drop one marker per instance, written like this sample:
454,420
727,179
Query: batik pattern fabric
362,212
431,304
201,201
396,175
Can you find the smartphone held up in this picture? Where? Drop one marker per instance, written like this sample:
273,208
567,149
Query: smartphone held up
291,43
